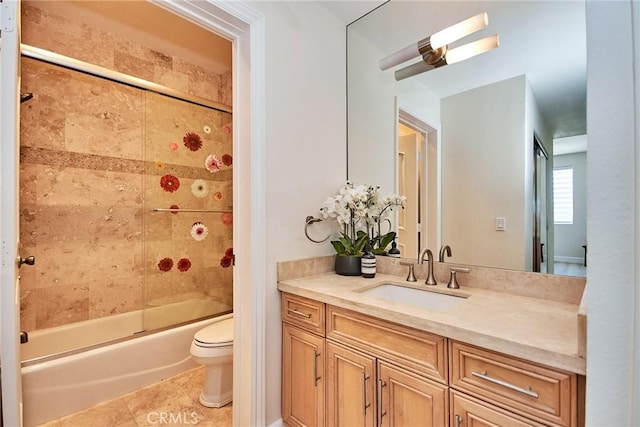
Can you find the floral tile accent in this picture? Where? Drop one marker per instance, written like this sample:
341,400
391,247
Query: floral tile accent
192,141
173,146
227,160
199,231
227,129
184,264
165,264
217,195
227,259
206,129
169,183
227,218
212,163
200,188
160,165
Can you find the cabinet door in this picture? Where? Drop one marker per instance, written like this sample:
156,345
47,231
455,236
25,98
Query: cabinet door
302,377
351,388
469,412
407,400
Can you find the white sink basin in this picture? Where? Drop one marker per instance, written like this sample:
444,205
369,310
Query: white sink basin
415,297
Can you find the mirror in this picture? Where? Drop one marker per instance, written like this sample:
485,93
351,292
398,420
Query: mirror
474,144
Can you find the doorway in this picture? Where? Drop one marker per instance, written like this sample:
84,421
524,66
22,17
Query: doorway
243,26
416,179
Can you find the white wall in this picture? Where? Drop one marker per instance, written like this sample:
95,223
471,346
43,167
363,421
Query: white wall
372,113
484,130
612,203
305,145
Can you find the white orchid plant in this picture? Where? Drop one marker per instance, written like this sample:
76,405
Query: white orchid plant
360,212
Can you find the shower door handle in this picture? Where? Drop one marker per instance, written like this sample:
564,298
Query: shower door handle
30,260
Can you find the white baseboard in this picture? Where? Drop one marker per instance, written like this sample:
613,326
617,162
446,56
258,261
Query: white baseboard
276,423
569,259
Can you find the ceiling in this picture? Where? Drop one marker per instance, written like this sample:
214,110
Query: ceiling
546,40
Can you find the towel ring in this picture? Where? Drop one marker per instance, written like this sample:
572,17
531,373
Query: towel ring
308,221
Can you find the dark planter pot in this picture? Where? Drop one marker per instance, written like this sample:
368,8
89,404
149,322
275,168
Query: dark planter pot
348,265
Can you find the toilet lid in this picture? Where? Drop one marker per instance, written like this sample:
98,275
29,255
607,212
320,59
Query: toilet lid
216,334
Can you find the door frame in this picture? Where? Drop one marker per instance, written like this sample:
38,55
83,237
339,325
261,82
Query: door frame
429,165
9,216
245,28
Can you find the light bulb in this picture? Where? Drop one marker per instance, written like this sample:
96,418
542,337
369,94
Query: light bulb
472,49
459,30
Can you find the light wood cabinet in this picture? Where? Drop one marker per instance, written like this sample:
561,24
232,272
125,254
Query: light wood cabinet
363,390
536,392
303,363
342,368
351,387
409,400
415,350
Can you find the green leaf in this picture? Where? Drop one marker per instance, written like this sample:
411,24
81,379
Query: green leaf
338,246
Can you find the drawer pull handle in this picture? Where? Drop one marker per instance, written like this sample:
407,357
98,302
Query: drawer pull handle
299,313
524,390
381,414
365,404
458,421
315,368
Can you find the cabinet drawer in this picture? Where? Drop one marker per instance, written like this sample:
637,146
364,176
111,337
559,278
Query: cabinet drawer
418,351
303,312
469,412
532,390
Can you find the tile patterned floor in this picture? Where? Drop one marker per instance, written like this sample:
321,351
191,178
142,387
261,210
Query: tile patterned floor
172,402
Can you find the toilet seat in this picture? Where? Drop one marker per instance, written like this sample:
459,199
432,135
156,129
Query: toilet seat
219,334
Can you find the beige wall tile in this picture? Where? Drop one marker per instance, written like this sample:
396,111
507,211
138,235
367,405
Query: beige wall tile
89,178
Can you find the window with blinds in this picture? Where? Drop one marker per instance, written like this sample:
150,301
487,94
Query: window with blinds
563,195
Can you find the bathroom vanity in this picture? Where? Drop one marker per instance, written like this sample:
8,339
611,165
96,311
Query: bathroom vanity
476,356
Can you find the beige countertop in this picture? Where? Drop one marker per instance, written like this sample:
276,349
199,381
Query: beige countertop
540,330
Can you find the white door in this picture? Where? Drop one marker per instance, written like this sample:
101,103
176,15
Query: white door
9,168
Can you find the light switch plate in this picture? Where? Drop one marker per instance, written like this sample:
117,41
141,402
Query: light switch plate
501,223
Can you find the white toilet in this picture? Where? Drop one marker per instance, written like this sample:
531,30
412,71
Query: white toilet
213,347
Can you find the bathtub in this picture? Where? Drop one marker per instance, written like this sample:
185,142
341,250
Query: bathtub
56,386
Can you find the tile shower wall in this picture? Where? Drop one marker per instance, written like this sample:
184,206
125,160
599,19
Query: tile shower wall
93,158
75,39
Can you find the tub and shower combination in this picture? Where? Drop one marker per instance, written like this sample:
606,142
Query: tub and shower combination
126,204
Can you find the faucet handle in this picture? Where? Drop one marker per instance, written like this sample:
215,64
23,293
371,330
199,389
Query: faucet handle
453,283
411,277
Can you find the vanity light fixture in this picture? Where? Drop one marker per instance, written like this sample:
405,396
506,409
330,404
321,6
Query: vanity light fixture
435,51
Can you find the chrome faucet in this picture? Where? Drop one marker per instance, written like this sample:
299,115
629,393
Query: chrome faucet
444,249
430,279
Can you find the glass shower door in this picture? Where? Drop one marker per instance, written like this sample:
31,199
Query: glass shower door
188,220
